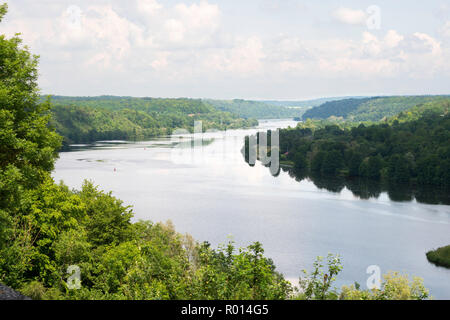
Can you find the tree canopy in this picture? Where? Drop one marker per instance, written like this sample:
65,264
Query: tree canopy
28,147
89,119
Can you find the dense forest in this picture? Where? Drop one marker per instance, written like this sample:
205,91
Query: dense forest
410,148
57,243
367,109
89,119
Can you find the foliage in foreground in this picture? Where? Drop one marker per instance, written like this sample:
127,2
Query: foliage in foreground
317,285
123,260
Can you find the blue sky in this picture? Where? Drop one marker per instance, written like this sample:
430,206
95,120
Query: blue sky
252,49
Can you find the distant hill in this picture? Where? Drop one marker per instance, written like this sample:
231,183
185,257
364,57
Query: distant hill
368,109
89,119
240,108
270,109
246,109
305,103
256,109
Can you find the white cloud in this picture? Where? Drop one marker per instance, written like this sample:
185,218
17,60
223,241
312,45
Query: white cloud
199,16
245,58
393,38
161,61
350,16
149,7
429,43
150,43
195,24
175,30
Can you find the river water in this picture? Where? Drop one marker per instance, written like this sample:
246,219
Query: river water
203,185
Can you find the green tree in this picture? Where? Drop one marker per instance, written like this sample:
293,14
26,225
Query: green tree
332,162
371,167
27,145
354,164
300,162
317,285
398,170
316,163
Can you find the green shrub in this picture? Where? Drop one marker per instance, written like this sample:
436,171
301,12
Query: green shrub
394,287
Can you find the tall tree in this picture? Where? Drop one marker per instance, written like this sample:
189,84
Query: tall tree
27,145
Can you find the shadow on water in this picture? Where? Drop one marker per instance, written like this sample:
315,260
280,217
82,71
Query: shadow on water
161,142
369,189
362,188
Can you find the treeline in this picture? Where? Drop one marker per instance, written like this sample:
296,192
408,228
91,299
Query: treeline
411,148
368,109
148,105
85,120
365,189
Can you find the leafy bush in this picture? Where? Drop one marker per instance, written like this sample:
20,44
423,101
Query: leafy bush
394,287
317,285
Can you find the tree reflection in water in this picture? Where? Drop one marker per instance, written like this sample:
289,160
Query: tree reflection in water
363,188
368,189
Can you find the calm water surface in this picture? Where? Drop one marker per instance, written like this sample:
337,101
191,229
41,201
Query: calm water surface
206,189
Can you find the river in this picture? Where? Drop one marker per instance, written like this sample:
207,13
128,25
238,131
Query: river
207,190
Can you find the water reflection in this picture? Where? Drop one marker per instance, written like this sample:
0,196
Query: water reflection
182,142
365,188
221,196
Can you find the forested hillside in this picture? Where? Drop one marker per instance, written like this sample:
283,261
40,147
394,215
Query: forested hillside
367,109
410,148
306,103
84,119
161,105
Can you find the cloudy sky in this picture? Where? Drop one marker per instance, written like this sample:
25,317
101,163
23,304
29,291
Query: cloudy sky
254,49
